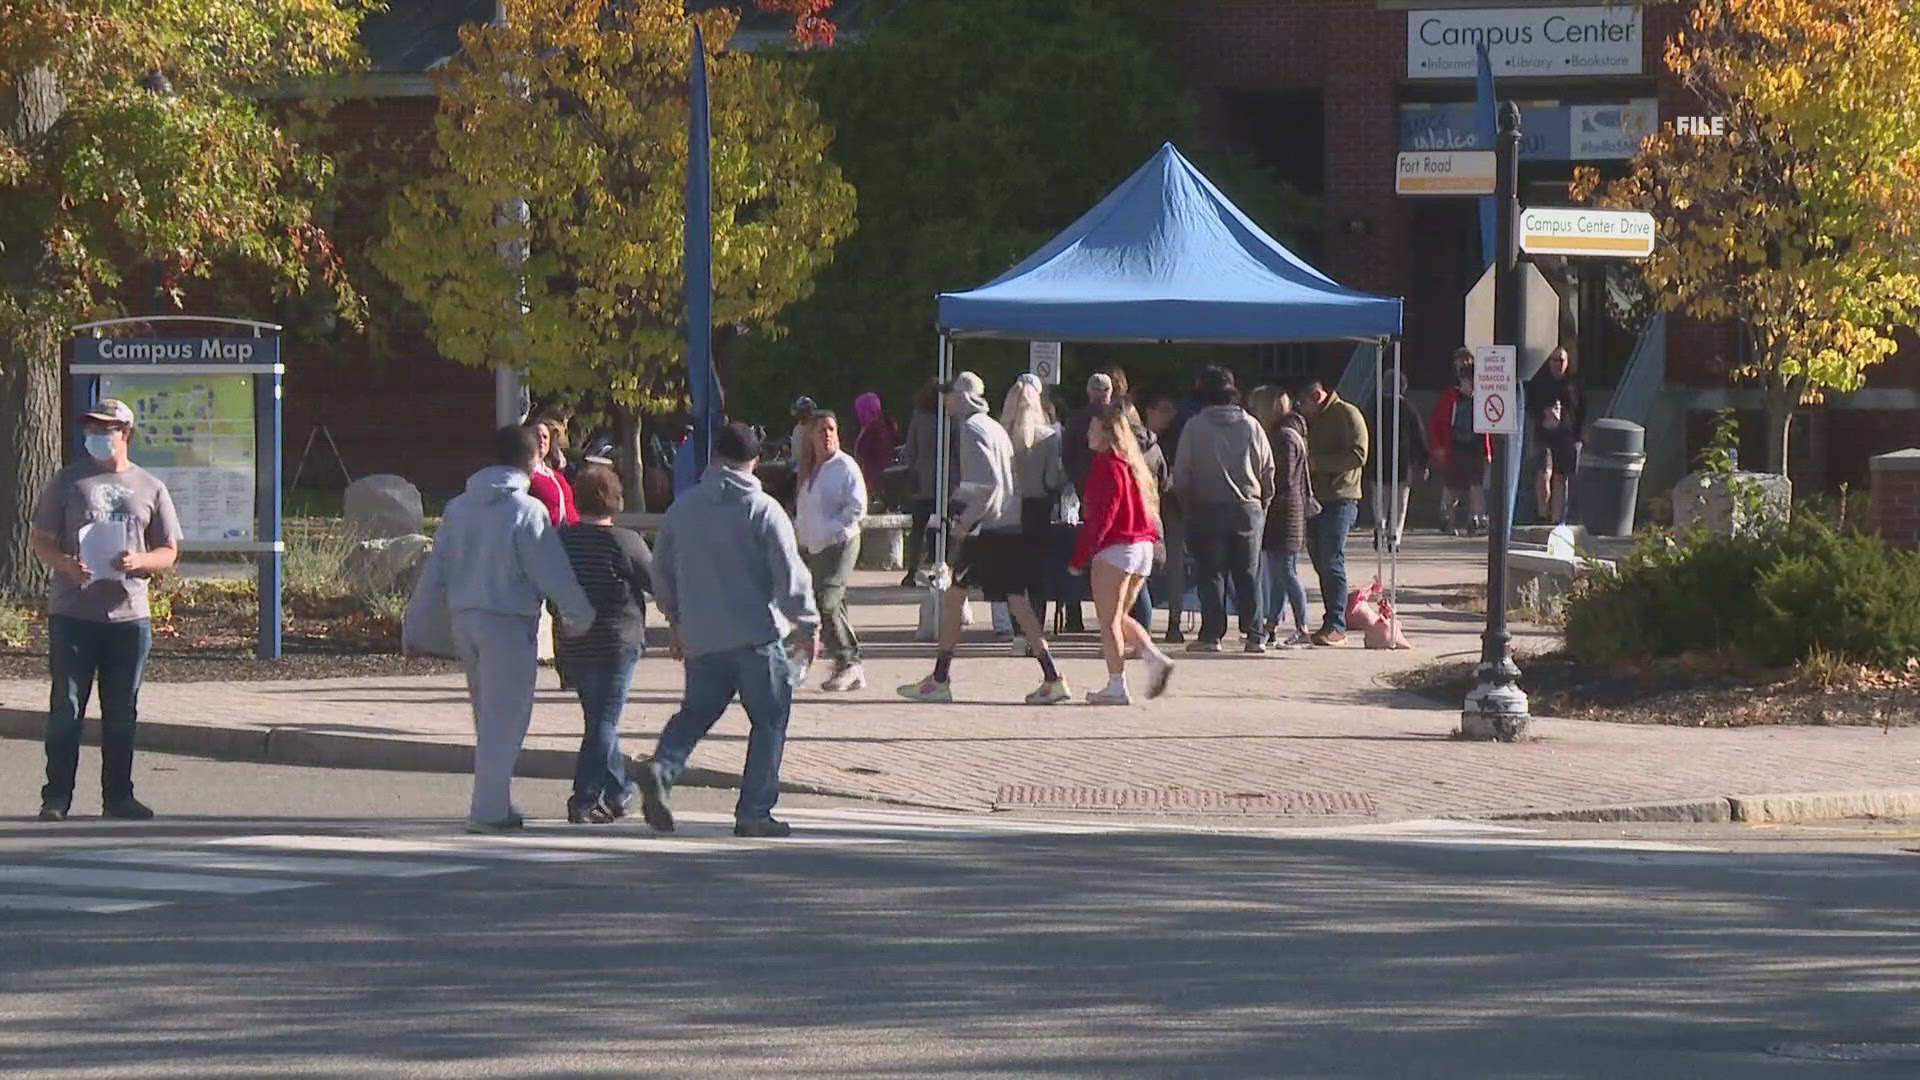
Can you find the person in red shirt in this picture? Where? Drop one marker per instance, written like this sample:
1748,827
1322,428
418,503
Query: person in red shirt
1119,525
549,486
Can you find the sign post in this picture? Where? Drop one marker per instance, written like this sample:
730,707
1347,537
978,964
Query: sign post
1496,708
207,420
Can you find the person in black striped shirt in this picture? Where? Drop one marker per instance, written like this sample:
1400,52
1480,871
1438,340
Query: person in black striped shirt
616,570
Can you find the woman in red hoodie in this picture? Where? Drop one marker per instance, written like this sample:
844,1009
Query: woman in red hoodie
548,484
1119,525
1461,454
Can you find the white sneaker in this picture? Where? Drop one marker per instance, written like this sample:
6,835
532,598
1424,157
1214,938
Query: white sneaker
1298,639
1159,672
929,691
1051,693
846,677
1019,647
1107,695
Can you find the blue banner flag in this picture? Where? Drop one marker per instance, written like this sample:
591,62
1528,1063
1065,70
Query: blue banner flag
1487,128
703,386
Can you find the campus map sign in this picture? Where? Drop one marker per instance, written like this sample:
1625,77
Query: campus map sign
194,428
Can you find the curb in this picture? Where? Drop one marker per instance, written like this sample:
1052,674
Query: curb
1784,808
336,750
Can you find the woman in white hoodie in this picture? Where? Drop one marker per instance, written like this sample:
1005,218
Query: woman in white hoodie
831,502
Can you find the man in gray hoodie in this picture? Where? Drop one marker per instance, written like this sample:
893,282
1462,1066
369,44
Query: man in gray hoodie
992,556
1223,475
728,576
495,556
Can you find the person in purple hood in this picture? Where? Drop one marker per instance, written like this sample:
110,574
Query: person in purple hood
877,443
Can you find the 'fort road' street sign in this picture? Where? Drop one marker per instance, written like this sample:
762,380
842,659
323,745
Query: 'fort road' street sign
1444,172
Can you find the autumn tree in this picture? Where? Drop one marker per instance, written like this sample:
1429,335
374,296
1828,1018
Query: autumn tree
580,108
1798,224
129,144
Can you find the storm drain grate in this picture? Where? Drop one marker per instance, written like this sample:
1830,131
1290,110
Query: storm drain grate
1178,800
1847,1051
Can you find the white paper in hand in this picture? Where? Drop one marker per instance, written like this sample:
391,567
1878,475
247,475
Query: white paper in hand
101,545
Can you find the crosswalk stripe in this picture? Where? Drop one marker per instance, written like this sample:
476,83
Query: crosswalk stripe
86,905
269,863
144,880
463,846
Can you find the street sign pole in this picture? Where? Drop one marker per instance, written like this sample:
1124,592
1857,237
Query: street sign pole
1496,708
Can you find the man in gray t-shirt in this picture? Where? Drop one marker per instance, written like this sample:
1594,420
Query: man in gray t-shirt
103,526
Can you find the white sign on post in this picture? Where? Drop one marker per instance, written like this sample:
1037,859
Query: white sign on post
1496,390
1043,359
1444,172
1618,234
1522,42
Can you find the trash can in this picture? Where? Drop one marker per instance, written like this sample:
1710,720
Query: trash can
1607,483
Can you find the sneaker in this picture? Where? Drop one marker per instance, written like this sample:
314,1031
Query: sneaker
1255,646
52,812
1200,646
1051,693
1174,637
654,790
1298,639
1328,636
1159,673
615,805
127,809
763,829
1020,647
928,691
846,677
513,822
1107,695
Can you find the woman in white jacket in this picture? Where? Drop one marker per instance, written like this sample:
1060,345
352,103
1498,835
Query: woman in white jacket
832,500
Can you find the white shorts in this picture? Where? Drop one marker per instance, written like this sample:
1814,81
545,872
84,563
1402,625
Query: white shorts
1135,558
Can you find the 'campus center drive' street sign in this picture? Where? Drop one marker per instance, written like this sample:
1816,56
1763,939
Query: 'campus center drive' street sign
1619,234
1444,172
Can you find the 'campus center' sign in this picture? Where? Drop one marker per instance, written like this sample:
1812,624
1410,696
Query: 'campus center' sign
1526,42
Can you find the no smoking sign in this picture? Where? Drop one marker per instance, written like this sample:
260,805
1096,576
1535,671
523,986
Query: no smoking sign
1496,379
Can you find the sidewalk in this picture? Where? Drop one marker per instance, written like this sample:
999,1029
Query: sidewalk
1305,733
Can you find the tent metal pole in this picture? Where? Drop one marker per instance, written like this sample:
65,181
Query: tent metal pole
1380,532
943,452
1394,524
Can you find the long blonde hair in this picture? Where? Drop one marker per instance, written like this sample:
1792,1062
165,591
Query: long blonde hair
805,456
1023,414
1116,430
1268,405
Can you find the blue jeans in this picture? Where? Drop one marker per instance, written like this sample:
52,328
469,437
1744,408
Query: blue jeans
1143,608
759,675
79,653
1282,579
1327,546
600,771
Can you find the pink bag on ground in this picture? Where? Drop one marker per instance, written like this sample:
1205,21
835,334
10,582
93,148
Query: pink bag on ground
1387,633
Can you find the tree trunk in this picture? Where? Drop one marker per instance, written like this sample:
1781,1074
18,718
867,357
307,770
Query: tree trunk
628,458
29,453
30,406
1780,407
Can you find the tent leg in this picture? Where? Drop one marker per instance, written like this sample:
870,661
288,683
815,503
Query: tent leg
1381,531
943,454
1393,508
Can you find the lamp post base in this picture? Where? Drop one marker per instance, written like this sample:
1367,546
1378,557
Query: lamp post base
1496,709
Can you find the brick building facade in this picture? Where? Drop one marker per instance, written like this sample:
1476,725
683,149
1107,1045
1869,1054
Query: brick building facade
1322,91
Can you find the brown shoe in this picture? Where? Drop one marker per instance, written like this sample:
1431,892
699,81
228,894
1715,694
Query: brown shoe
1329,637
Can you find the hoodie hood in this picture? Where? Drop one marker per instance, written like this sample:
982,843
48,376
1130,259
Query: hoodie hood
866,408
723,484
496,482
1222,415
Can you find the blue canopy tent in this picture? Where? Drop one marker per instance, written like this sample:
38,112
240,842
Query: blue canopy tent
1164,258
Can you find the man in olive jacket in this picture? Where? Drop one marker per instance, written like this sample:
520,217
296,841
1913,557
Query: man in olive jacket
1337,459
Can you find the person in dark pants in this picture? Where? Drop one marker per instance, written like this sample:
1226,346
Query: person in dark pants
615,568
729,578
1223,475
104,526
1164,421
1336,459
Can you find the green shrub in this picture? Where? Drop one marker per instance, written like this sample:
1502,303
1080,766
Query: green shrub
1774,595
16,626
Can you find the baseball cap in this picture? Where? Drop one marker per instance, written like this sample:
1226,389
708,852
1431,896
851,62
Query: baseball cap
803,404
969,386
112,411
1100,383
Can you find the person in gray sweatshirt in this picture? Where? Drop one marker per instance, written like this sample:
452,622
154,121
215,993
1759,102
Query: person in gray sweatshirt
992,556
495,556
1223,474
728,576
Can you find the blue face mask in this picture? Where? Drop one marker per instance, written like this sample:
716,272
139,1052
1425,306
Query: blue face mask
99,446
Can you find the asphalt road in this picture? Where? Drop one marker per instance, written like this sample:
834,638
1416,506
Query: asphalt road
310,923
